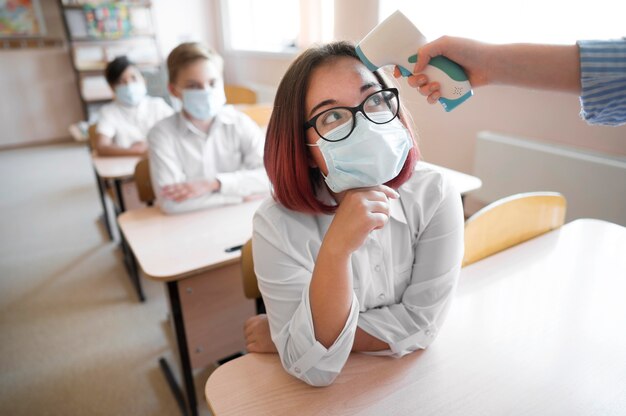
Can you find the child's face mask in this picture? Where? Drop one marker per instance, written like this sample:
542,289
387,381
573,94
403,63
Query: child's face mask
130,94
372,155
203,104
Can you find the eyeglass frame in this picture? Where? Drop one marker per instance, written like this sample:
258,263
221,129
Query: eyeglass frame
313,121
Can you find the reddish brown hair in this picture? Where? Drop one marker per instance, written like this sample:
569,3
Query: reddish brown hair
286,155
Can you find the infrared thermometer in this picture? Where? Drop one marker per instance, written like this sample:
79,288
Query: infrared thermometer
395,41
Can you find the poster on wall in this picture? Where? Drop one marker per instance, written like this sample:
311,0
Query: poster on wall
20,19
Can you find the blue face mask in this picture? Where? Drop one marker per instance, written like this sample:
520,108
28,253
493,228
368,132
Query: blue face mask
131,94
205,103
372,155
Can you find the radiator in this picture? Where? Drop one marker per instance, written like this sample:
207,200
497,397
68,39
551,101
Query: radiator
593,183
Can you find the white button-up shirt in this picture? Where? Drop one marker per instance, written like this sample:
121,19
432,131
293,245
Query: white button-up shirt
404,276
127,125
231,152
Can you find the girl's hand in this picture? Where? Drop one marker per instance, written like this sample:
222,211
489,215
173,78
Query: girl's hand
360,211
257,333
182,191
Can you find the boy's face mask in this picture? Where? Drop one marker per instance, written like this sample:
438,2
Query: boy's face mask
205,103
372,155
130,94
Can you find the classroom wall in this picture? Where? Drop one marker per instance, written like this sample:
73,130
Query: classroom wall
176,22
39,97
449,138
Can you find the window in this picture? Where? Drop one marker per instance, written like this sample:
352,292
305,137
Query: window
535,21
277,26
266,26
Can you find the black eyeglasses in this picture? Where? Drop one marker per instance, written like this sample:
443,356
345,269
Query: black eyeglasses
337,123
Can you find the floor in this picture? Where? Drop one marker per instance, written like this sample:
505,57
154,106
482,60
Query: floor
74,340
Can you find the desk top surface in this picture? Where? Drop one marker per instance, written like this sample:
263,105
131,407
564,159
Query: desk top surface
462,181
115,167
535,329
169,247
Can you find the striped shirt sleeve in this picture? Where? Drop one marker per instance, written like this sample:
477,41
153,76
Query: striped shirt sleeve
603,81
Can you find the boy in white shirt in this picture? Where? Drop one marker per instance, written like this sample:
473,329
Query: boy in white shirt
124,124
208,154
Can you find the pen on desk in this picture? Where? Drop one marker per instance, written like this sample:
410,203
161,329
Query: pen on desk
233,248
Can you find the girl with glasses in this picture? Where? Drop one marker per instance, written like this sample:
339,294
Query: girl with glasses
360,247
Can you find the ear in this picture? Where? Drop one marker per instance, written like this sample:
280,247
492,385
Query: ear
174,91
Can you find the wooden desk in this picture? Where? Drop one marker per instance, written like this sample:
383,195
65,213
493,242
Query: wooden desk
205,290
538,329
115,170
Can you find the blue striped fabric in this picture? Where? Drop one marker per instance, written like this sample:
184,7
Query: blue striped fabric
603,81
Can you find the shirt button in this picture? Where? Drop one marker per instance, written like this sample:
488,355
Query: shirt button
428,332
297,370
377,268
381,296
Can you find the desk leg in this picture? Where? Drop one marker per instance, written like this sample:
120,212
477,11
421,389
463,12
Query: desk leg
105,211
129,257
191,407
119,196
131,267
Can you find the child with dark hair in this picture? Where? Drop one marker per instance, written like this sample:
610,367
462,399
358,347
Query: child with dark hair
123,125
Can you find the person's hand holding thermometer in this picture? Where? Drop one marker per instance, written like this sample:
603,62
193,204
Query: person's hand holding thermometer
395,42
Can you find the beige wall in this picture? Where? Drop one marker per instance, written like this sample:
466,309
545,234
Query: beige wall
449,138
39,97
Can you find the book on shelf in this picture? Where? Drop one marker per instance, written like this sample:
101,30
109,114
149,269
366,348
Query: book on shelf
108,21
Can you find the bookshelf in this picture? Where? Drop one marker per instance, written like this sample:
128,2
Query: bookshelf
97,32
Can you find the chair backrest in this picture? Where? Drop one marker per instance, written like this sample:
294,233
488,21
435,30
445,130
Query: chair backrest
250,286
143,182
92,136
236,94
510,221
259,113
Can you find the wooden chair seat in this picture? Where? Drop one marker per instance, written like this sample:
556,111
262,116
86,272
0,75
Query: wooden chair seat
237,94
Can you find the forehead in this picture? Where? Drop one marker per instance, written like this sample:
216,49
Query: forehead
130,71
200,69
341,80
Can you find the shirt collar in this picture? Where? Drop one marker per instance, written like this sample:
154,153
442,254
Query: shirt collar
396,211
225,116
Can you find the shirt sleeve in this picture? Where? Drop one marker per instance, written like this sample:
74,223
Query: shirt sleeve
165,169
438,253
163,110
106,123
284,266
603,81
251,178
